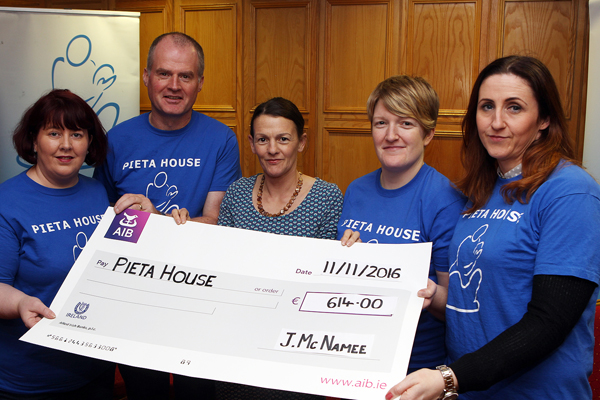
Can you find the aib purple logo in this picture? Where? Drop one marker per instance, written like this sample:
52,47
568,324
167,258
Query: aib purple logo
127,226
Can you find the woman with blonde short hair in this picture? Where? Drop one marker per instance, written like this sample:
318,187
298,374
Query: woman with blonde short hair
406,200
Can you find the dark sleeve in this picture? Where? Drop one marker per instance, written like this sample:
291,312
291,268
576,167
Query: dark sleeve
557,303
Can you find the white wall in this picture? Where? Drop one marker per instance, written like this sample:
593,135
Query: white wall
591,145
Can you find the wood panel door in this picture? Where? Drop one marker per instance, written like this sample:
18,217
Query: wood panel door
365,42
280,42
156,18
556,32
217,26
328,55
447,42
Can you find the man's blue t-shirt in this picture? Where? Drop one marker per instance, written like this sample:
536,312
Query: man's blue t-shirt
174,169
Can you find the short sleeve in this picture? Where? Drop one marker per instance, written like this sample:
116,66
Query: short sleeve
228,168
568,237
9,253
103,174
442,231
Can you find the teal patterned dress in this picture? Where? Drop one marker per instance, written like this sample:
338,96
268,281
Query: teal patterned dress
316,217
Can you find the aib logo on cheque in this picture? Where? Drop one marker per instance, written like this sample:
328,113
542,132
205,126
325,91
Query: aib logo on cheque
127,226
79,310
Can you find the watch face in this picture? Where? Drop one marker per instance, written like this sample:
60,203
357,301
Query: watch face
450,396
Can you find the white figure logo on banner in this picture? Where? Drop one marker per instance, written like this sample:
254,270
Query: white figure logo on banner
94,54
96,80
92,81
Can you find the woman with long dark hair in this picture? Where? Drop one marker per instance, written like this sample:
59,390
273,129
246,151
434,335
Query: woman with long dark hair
524,259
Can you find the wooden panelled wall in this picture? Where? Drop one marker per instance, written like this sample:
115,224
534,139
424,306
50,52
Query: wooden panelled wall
328,55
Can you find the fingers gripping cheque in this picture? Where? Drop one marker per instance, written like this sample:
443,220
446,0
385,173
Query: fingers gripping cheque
292,313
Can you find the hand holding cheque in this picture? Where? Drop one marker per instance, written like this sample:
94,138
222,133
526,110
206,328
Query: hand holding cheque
232,305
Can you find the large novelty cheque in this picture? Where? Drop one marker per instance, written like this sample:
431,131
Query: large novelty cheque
299,314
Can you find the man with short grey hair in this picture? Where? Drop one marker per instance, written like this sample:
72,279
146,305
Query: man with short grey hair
173,156
168,159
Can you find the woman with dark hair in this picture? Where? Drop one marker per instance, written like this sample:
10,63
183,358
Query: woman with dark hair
525,260
282,199
42,233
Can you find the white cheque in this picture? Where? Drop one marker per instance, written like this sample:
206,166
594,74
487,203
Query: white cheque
283,312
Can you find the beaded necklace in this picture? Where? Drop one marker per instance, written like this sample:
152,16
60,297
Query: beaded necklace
262,211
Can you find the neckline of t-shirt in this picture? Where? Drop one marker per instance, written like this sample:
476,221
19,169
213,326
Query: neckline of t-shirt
401,190
52,191
175,132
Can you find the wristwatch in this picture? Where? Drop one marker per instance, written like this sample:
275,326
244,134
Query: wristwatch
450,390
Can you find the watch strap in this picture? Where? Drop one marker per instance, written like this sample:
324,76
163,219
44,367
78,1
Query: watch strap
449,388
